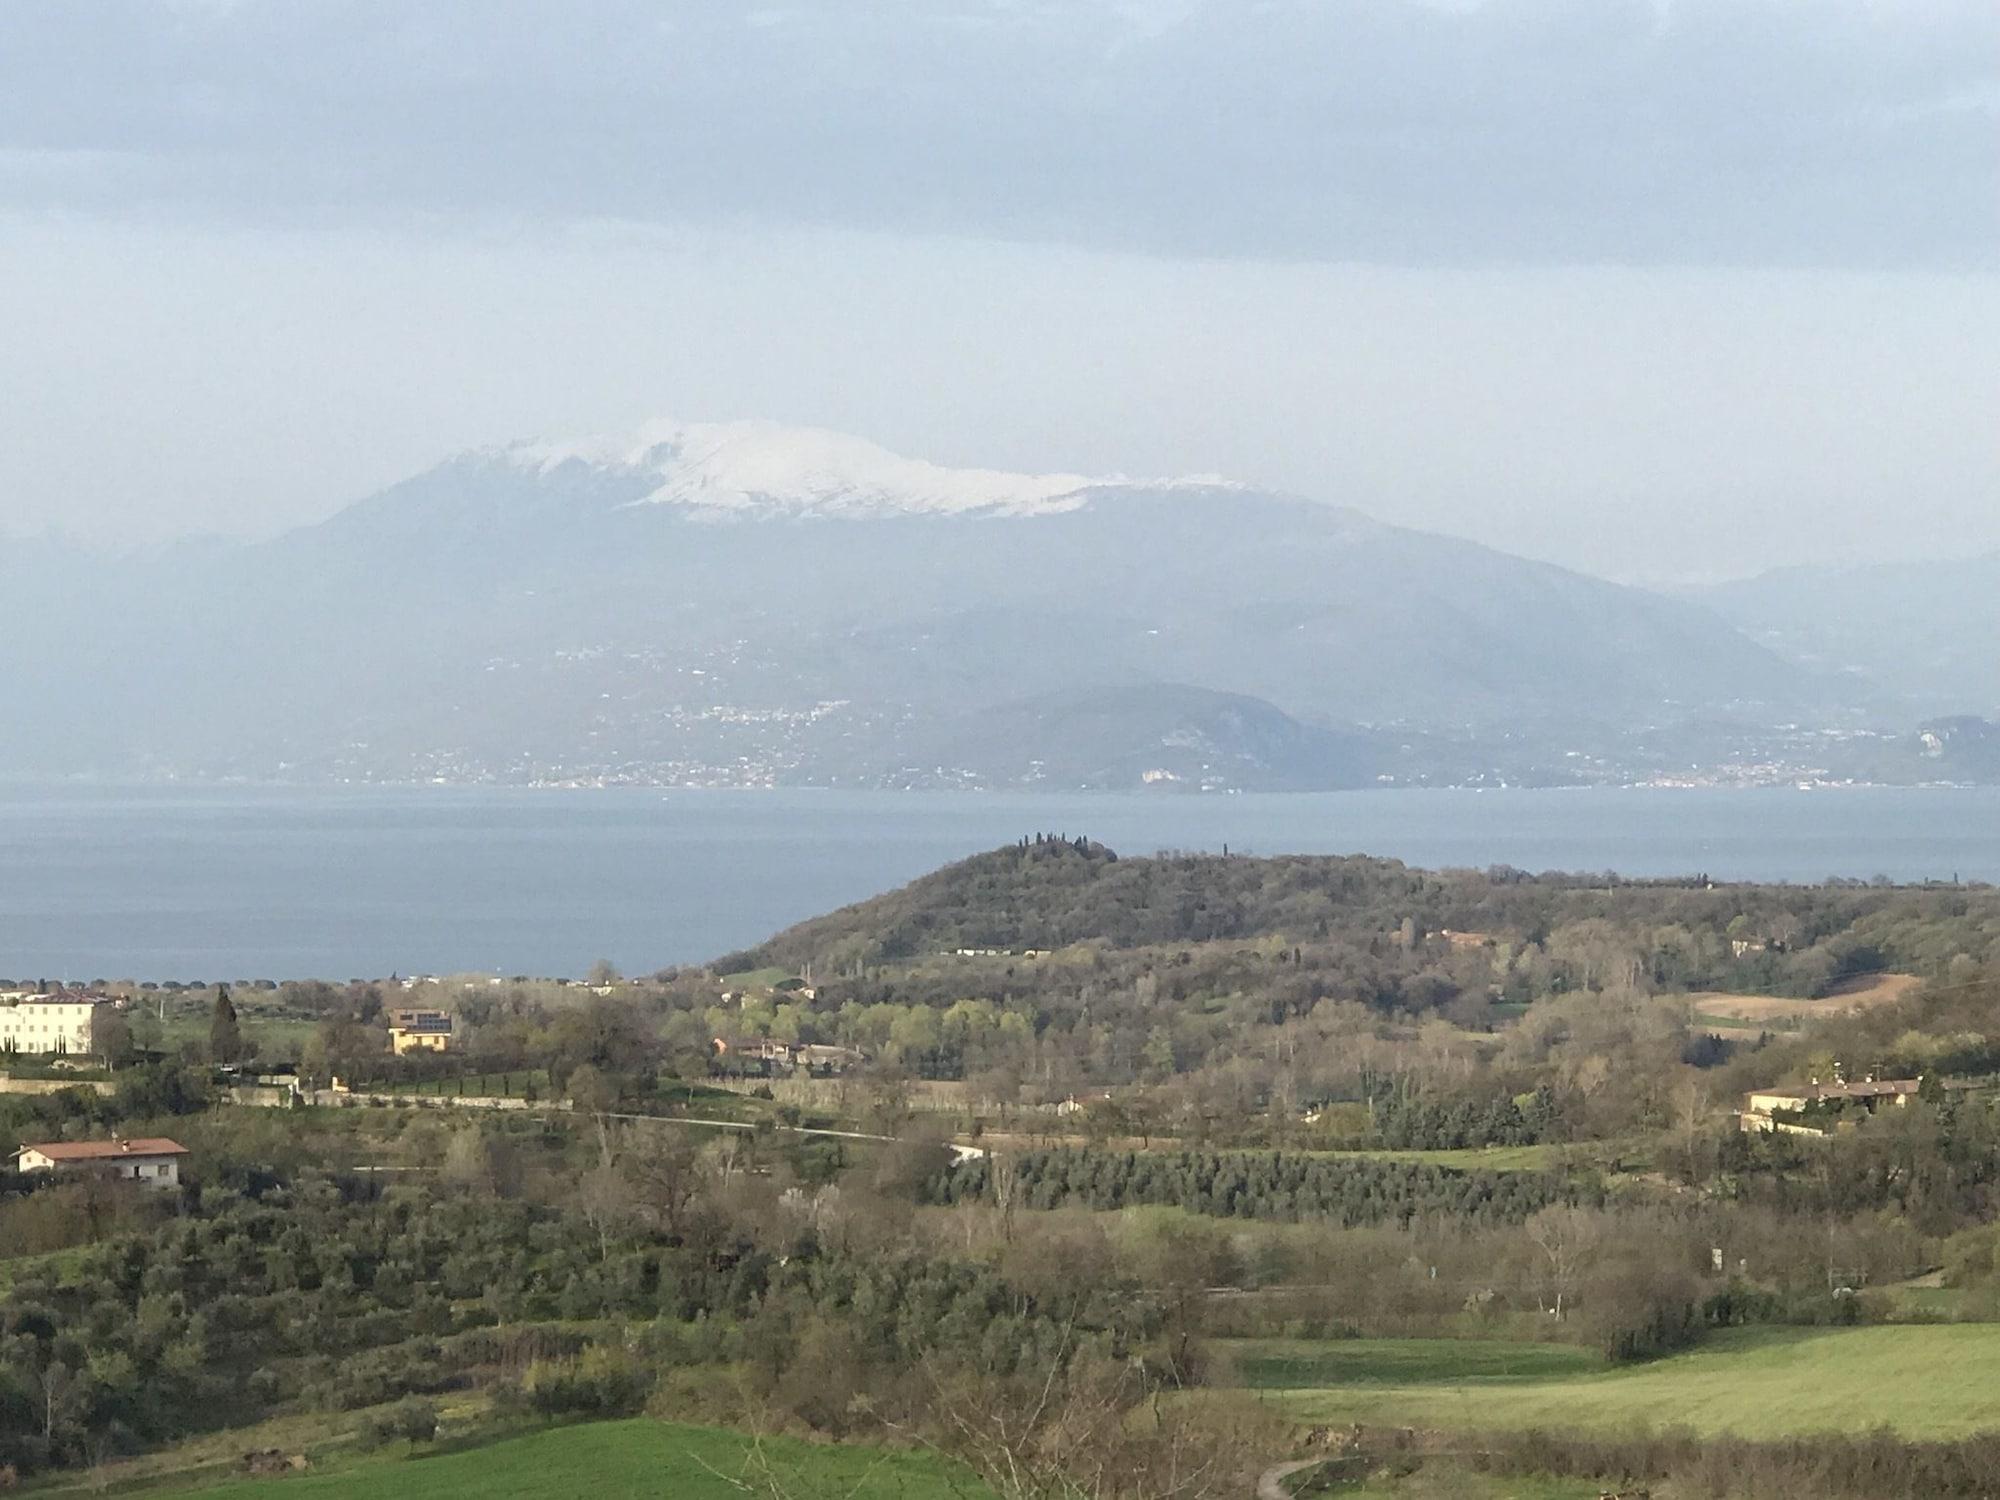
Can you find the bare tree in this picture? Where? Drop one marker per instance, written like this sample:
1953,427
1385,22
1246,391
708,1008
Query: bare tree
1567,1237
602,1197
666,1180
1004,1178
63,1398
1691,1108
1088,1429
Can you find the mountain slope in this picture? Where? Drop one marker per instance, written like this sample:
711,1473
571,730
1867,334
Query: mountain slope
1924,632
1161,735
744,604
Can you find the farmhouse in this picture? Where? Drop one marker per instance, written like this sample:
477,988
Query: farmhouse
1763,1107
753,1049
419,1031
733,1054
817,1057
54,1023
153,1160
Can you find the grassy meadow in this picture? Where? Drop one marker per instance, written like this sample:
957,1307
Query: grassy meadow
1922,1381
637,1459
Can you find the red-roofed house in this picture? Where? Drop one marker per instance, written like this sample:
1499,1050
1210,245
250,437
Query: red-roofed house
153,1160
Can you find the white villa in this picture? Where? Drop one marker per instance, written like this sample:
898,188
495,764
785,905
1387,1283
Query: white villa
53,1023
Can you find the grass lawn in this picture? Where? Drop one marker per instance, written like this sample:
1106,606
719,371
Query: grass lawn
756,979
702,1097
631,1460
1924,1381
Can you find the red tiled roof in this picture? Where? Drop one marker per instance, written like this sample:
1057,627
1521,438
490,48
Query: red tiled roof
157,1145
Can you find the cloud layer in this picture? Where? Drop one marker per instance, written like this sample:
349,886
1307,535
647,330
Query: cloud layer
1767,132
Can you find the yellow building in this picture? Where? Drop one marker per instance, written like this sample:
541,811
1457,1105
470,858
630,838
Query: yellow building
419,1031
1763,1107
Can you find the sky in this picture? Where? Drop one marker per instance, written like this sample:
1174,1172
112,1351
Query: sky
1663,289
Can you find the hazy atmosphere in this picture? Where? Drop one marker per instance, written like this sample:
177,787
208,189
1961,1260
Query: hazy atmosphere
1667,291
1000,749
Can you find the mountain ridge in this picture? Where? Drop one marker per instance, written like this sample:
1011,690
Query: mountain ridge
532,613
1921,633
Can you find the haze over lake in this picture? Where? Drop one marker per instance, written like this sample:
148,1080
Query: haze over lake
240,883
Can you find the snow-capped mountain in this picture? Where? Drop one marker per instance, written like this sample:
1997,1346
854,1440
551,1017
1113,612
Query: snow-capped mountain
766,469
546,610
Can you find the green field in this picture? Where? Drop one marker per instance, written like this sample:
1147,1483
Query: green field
756,979
1923,1381
631,1460
1308,1364
257,1026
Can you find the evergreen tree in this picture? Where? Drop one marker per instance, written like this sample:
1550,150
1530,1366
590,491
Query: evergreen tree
225,1036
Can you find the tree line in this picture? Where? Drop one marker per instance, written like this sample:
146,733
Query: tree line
1347,1192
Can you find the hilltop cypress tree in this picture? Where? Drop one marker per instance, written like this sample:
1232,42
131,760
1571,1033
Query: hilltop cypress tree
225,1037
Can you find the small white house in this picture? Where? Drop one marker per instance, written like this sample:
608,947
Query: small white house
152,1160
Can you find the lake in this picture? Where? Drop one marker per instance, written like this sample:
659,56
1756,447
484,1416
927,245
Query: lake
249,883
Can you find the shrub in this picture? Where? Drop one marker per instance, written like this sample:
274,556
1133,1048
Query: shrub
412,1419
603,1381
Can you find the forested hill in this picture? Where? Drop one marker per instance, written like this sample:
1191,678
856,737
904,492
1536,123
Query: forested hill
1050,892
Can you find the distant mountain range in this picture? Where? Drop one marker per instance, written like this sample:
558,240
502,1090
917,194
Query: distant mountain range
1924,635
747,604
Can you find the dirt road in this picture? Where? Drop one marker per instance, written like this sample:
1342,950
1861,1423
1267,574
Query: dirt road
1271,1486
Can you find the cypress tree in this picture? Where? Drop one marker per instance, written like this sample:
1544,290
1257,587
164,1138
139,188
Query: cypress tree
225,1036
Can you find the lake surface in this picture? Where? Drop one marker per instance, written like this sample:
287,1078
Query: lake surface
235,884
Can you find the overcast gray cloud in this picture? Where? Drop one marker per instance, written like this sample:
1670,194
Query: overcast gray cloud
1786,132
